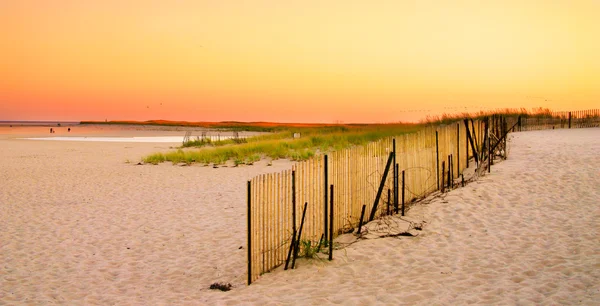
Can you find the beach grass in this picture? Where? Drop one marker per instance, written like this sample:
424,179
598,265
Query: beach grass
446,118
314,138
312,141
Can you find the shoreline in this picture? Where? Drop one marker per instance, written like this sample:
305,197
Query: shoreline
113,131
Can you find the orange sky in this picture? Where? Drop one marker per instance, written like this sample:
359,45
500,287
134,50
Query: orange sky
294,61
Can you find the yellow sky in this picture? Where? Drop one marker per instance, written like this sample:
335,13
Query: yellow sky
294,61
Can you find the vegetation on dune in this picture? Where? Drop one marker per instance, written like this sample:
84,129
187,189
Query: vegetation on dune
315,139
281,145
539,112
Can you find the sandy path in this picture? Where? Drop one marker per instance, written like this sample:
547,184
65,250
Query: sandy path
80,226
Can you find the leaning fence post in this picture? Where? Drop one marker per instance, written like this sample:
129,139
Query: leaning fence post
381,185
297,245
290,251
472,140
362,215
476,143
249,233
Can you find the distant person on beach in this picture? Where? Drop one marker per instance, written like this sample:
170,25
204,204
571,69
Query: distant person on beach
51,131
69,129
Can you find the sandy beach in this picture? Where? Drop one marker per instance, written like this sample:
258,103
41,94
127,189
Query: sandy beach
82,223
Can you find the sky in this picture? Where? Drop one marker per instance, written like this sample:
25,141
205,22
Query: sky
294,61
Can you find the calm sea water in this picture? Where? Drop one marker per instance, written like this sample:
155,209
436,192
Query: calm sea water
38,123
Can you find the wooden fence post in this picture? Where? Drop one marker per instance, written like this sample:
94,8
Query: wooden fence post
471,139
325,195
490,152
381,185
403,187
331,224
437,159
458,147
443,173
396,187
249,233
395,180
476,142
297,244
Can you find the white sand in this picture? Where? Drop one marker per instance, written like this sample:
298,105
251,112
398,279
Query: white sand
78,225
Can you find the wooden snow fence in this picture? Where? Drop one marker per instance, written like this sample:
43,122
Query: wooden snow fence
356,176
335,187
561,120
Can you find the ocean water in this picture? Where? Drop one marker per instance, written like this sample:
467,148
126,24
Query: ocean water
157,139
162,139
74,131
39,123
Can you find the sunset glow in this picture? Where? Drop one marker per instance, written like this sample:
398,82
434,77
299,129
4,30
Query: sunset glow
294,61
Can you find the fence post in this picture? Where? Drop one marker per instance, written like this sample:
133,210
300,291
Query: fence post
471,139
443,170
458,147
381,185
293,243
290,251
403,185
249,233
395,180
449,170
294,202
362,215
437,159
325,196
505,132
475,142
569,119
490,153
297,245
484,141
396,195
331,223
467,144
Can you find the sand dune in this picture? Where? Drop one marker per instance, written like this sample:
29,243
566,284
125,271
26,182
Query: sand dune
79,225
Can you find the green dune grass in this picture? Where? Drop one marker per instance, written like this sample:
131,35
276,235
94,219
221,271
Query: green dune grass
280,145
314,140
